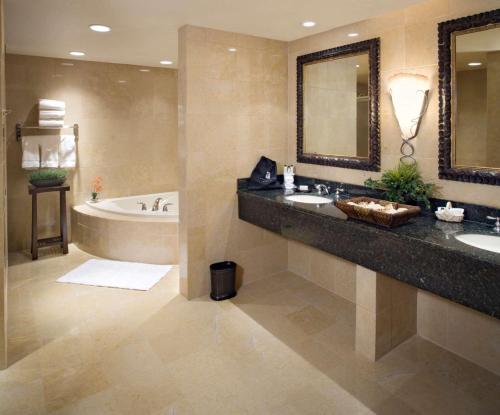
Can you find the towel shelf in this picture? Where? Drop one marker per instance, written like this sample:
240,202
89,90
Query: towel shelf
20,128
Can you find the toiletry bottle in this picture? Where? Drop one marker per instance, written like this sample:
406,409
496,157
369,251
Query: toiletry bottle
288,176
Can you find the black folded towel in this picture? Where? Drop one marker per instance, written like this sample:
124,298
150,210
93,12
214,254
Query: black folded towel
264,175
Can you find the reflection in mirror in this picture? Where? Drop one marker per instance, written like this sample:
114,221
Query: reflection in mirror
476,98
335,93
338,106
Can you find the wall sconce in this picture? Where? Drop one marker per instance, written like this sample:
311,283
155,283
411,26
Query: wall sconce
409,98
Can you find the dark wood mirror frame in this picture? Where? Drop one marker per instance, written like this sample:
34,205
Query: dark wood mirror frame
372,162
445,34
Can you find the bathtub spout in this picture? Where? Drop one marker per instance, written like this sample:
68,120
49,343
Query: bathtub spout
156,204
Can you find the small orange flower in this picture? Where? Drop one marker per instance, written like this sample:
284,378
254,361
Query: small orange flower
97,185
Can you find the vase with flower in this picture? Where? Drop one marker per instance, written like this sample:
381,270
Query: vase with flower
96,188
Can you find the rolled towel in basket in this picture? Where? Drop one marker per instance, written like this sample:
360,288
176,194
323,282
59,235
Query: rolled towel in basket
51,123
51,114
51,104
67,152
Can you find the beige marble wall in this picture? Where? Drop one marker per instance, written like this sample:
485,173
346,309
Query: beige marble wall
3,207
128,131
328,271
232,109
468,333
408,44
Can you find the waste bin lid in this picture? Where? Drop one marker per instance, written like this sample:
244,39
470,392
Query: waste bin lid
219,266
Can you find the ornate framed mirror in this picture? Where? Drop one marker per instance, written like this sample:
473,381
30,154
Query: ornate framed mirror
469,98
338,106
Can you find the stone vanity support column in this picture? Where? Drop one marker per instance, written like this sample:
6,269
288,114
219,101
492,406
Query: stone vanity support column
386,313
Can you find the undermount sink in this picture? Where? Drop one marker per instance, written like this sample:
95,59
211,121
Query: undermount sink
314,200
486,242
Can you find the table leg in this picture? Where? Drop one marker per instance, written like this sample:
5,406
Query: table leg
63,223
34,227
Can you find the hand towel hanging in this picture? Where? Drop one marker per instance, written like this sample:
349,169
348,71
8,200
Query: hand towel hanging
67,151
49,145
31,152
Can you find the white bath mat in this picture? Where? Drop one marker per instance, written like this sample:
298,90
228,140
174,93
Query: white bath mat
117,274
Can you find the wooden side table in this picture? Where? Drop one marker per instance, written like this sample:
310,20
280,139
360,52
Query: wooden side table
62,239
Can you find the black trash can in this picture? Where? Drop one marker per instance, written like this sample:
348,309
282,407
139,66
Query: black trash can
223,279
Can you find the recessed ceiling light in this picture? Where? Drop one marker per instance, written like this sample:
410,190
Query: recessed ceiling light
357,66
308,23
76,53
166,62
474,64
67,64
353,34
232,49
144,70
122,81
100,28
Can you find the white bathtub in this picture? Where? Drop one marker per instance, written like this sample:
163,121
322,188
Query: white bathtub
119,229
130,205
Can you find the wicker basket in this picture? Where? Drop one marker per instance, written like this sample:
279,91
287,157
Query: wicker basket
379,218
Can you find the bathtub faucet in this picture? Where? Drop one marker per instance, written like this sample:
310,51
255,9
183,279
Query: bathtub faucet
143,205
156,204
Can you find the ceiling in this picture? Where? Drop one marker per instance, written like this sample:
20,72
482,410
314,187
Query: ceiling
145,31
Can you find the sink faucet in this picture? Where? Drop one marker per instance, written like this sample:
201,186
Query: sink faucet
143,205
322,189
156,204
496,228
338,191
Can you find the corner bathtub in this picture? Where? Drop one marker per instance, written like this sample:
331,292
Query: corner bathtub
118,229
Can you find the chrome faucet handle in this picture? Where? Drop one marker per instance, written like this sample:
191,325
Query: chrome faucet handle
165,206
143,207
339,190
156,203
496,228
322,188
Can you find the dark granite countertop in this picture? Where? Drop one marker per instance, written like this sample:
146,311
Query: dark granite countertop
422,252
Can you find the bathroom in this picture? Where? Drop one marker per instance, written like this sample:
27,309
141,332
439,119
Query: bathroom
330,315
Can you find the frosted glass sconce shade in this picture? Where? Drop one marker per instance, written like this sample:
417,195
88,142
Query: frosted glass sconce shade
409,99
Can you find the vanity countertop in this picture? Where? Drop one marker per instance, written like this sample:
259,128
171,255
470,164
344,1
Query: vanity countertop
422,252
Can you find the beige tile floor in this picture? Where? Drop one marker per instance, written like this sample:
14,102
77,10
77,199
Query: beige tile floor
282,346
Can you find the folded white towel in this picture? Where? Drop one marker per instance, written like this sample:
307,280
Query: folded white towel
51,123
67,152
51,114
31,152
51,104
49,145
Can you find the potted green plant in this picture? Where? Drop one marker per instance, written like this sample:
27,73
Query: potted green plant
404,184
48,177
